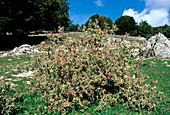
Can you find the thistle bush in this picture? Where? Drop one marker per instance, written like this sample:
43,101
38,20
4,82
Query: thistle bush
8,98
77,72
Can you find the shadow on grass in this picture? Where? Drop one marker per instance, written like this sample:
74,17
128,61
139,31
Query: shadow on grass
8,42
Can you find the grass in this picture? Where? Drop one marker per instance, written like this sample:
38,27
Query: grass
158,70
10,66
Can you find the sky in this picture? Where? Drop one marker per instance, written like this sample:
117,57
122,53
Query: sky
155,12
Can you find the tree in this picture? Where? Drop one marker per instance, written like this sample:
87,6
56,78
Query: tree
126,24
102,21
167,32
72,27
28,15
145,30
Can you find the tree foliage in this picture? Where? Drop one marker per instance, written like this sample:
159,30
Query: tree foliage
72,27
28,15
145,30
163,29
167,32
102,21
126,24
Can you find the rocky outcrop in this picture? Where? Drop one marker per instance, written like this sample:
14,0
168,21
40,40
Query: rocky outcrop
157,46
23,49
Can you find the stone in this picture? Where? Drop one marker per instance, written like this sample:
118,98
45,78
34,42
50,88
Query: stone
23,49
157,46
24,74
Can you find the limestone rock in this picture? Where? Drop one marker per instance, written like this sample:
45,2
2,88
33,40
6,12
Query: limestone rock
23,49
158,46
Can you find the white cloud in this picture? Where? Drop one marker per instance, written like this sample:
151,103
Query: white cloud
155,17
99,3
156,12
158,4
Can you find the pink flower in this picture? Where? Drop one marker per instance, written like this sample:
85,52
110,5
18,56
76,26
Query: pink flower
44,55
101,73
105,95
69,91
152,81
50,108
123,37
39,66
60,33
64,69
130,79
97,48
118,43
42,75
51,32
108,77
33,89
64,100
123,66
105,23
55,60
135,84
100,43
136,95
74,63
149,104
89,94
72,81
46,95
69,42
35,73
93,87
72,49
42,63
28,77
88,102
102,102
107,55
57,82
51,82
58,65
65,93
76,37
96,30
63,55
65,62
0,82
60,101
137,64
72,91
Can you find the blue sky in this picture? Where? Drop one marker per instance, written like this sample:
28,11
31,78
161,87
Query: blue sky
81,10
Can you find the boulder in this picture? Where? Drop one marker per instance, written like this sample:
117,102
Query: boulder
157,46
23,49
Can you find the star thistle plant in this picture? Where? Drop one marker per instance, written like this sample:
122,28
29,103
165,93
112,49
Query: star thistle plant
85,69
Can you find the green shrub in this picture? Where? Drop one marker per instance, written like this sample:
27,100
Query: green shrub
77,72
8,98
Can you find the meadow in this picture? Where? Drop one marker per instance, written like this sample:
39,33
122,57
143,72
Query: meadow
82,74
